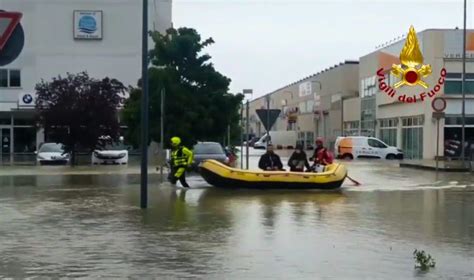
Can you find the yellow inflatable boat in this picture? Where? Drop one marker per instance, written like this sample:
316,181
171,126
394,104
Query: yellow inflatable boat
220,175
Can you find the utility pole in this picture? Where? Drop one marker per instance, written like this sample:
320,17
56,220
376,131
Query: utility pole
242,136
247,132
268,120
162,130
342,115
144,116
463,89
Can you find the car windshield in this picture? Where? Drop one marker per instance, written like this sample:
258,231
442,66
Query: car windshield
114,147
208,149
51,148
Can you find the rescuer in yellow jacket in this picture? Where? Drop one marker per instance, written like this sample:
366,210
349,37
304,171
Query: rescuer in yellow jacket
181,159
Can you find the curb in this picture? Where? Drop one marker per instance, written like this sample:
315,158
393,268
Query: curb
433,168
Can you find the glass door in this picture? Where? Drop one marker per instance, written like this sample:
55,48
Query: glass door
5,151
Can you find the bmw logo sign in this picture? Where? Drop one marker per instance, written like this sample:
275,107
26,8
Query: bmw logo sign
27,98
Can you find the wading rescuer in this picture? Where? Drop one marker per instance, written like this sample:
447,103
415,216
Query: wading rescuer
181,159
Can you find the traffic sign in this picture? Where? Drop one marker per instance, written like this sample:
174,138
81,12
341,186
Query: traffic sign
438,104
12,36
268,117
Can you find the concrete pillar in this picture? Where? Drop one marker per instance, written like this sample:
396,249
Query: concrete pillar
39,138
399,133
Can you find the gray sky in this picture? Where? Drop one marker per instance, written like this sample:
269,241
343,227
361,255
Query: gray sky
265,45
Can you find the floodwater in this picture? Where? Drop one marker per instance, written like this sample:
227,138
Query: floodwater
90,226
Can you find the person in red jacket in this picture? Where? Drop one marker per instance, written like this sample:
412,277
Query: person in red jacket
321,156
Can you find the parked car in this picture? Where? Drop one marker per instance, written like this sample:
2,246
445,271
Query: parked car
208,150
365,147
52,153
111,153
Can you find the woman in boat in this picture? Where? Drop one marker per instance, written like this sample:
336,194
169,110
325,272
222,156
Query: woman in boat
298,160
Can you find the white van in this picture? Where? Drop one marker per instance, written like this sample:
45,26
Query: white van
284,139
365,147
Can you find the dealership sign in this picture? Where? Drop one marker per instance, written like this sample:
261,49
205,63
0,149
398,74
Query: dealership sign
26,99
12,37
88,25
411,72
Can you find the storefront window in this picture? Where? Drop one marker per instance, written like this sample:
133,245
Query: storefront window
25,139
389,136
412,137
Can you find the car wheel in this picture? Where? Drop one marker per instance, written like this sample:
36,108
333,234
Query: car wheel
390,157
347,157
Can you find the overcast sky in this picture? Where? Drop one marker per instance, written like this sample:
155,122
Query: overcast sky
264,45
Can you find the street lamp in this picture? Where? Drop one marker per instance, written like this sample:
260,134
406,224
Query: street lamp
244,92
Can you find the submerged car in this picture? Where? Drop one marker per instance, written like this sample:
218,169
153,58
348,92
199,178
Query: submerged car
111,153
208,150
52,153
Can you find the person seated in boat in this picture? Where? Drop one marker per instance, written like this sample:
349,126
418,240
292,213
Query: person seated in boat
298,160
321,157
270,161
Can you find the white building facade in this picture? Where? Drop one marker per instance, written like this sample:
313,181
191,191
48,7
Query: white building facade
102,37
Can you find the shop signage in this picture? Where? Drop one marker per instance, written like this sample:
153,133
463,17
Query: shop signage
26,100
88,25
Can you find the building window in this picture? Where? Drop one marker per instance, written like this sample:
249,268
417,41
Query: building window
412,137
15,78
10,78
3,78
453,84
302,107
368,87
351,128
388,131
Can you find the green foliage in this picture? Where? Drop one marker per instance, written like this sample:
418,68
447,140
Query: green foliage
423,261
197,103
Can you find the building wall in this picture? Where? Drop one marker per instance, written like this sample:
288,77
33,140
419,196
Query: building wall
51,50
316,101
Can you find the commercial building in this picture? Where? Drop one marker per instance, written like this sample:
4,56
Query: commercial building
102,37
311,106
411,126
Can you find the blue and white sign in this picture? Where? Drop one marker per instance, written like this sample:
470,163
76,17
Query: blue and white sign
26,99
88,25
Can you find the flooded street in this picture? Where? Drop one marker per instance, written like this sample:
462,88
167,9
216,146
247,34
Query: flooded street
91,226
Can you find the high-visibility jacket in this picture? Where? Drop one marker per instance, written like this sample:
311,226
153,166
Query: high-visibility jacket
181,157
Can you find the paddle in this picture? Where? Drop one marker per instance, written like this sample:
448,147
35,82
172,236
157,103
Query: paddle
353,181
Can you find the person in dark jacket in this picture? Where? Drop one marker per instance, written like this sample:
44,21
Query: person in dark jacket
298,160
270,161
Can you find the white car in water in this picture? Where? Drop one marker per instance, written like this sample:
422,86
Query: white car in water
112,153
52,154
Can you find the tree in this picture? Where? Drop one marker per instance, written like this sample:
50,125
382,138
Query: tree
198,105
79,110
